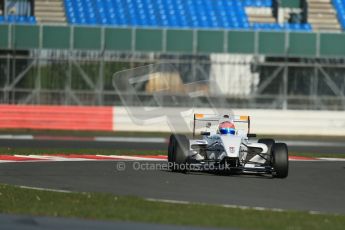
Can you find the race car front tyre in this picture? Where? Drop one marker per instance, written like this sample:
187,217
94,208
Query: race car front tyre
178,152
280,160
270,143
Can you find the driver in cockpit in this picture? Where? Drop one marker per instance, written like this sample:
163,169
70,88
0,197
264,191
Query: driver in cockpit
226,126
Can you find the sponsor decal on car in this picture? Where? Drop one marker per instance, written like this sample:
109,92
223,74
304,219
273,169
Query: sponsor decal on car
232,149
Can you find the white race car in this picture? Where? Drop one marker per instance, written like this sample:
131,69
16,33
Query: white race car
224,147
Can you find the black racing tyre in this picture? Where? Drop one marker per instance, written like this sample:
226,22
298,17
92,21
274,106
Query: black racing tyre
270,143
281,160
171,147
178,152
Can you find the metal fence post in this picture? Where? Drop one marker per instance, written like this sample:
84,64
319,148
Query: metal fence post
100,87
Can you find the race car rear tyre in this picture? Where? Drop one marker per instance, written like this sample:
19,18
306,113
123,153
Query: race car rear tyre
178,152
280,160
270,143
171,147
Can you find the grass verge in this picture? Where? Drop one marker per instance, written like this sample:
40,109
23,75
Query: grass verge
15,200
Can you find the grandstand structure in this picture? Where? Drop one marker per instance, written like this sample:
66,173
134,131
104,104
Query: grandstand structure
52,11
286,54
220,14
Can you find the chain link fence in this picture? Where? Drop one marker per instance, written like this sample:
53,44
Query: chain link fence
229,81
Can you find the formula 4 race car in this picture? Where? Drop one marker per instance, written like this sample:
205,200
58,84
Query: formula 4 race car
221,146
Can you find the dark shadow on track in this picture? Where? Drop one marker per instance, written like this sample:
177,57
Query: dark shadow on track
55,144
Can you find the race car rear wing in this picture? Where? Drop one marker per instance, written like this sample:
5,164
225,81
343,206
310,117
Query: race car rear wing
217,118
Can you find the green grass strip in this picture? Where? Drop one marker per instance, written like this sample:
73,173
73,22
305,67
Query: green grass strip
15,200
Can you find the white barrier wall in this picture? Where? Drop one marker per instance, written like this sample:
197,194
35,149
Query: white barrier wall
279,122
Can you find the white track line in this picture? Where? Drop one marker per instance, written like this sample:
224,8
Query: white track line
45,189
137,158
17,137
243,207
221,205
321,159
58,158
311,160
42,158
38,157
168,201
315,143
331,159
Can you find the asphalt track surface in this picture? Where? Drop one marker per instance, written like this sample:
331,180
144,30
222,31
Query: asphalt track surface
310,186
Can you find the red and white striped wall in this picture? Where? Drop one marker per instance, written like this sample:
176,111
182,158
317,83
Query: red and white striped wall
56,117
275,122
